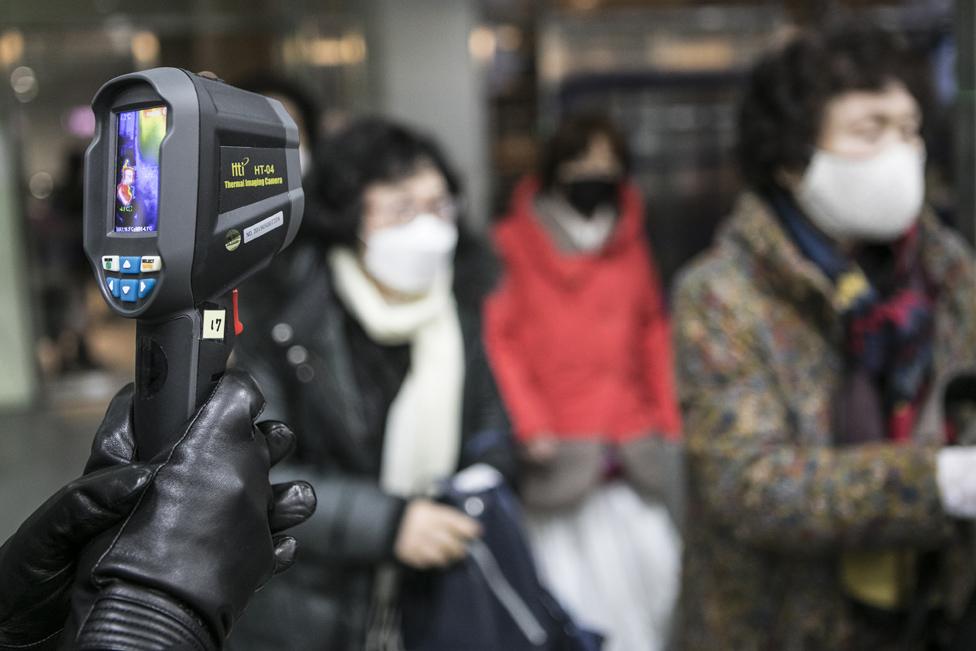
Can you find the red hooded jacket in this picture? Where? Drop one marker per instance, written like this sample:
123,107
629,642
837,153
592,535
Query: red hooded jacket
580,343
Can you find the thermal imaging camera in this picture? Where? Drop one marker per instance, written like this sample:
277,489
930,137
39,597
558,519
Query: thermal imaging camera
191,186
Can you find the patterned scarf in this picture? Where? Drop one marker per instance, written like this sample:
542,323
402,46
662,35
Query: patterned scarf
887,306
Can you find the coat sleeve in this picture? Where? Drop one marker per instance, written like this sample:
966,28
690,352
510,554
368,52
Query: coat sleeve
658,361
354,523
520,394
749,474
487,431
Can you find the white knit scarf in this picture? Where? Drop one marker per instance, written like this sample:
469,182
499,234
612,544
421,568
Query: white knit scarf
423,427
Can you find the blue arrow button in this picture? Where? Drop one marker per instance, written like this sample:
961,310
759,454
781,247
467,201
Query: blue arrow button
146,285
113,286
128,290
130,264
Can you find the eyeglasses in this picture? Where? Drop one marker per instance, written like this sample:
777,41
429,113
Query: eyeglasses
394,213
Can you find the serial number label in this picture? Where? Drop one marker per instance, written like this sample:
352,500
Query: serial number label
264,226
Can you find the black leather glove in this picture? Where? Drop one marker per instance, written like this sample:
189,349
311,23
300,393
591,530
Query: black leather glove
180,569
37,563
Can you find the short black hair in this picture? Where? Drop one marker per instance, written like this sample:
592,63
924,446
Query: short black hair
572,138
369,150
781,112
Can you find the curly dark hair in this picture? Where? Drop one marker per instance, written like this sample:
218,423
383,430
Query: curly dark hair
781,112
571,140
369,150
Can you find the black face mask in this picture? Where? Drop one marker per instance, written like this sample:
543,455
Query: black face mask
586,195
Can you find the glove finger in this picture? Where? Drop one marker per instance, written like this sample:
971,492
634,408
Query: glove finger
80,511
114,444
284,552
281,440
239,386
292,504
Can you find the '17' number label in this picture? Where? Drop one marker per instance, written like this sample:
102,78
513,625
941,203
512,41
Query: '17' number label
213,324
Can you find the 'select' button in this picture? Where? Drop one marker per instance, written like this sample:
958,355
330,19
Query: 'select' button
151,263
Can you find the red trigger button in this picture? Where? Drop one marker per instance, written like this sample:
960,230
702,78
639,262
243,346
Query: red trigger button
238,326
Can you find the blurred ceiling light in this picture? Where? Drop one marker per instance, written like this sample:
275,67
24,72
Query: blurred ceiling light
352,49
509,37
41,185
145,49
481,44
323,52
291,51
11,47
118,33
24,82
555,57
715,53
584,5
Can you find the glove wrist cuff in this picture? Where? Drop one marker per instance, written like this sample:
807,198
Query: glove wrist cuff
128,618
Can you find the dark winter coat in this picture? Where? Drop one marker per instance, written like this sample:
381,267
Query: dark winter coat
323,375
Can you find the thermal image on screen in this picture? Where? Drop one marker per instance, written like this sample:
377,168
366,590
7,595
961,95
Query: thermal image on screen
137,169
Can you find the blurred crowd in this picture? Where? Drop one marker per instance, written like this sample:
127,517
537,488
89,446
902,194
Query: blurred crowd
779,459
527,442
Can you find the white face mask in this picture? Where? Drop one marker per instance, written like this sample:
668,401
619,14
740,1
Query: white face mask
408,258
876,199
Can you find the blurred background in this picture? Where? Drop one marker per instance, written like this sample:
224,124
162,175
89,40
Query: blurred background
486,77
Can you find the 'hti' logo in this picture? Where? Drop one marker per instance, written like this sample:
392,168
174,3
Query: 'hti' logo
237,169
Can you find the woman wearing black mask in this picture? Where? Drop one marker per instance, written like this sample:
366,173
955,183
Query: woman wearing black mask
579,201
578,338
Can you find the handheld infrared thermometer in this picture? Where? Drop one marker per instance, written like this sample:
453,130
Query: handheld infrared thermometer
191,185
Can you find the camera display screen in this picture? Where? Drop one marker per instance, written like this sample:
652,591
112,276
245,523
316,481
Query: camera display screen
140,133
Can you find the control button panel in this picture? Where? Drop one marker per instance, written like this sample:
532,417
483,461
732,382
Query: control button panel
138,279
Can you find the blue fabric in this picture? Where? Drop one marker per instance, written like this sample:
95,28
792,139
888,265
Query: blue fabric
814,245
889,326
457,608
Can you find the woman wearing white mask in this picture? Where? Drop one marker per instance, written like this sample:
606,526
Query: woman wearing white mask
820,345
371,349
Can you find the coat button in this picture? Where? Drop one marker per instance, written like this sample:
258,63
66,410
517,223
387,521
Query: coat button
474,506
297,355
282,333
305,373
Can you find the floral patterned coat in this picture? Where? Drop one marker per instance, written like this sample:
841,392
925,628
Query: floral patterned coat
772,503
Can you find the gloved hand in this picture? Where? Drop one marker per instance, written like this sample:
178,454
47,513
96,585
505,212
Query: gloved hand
180,569
37,563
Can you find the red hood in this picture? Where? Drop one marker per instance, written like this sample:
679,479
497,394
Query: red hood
520,235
